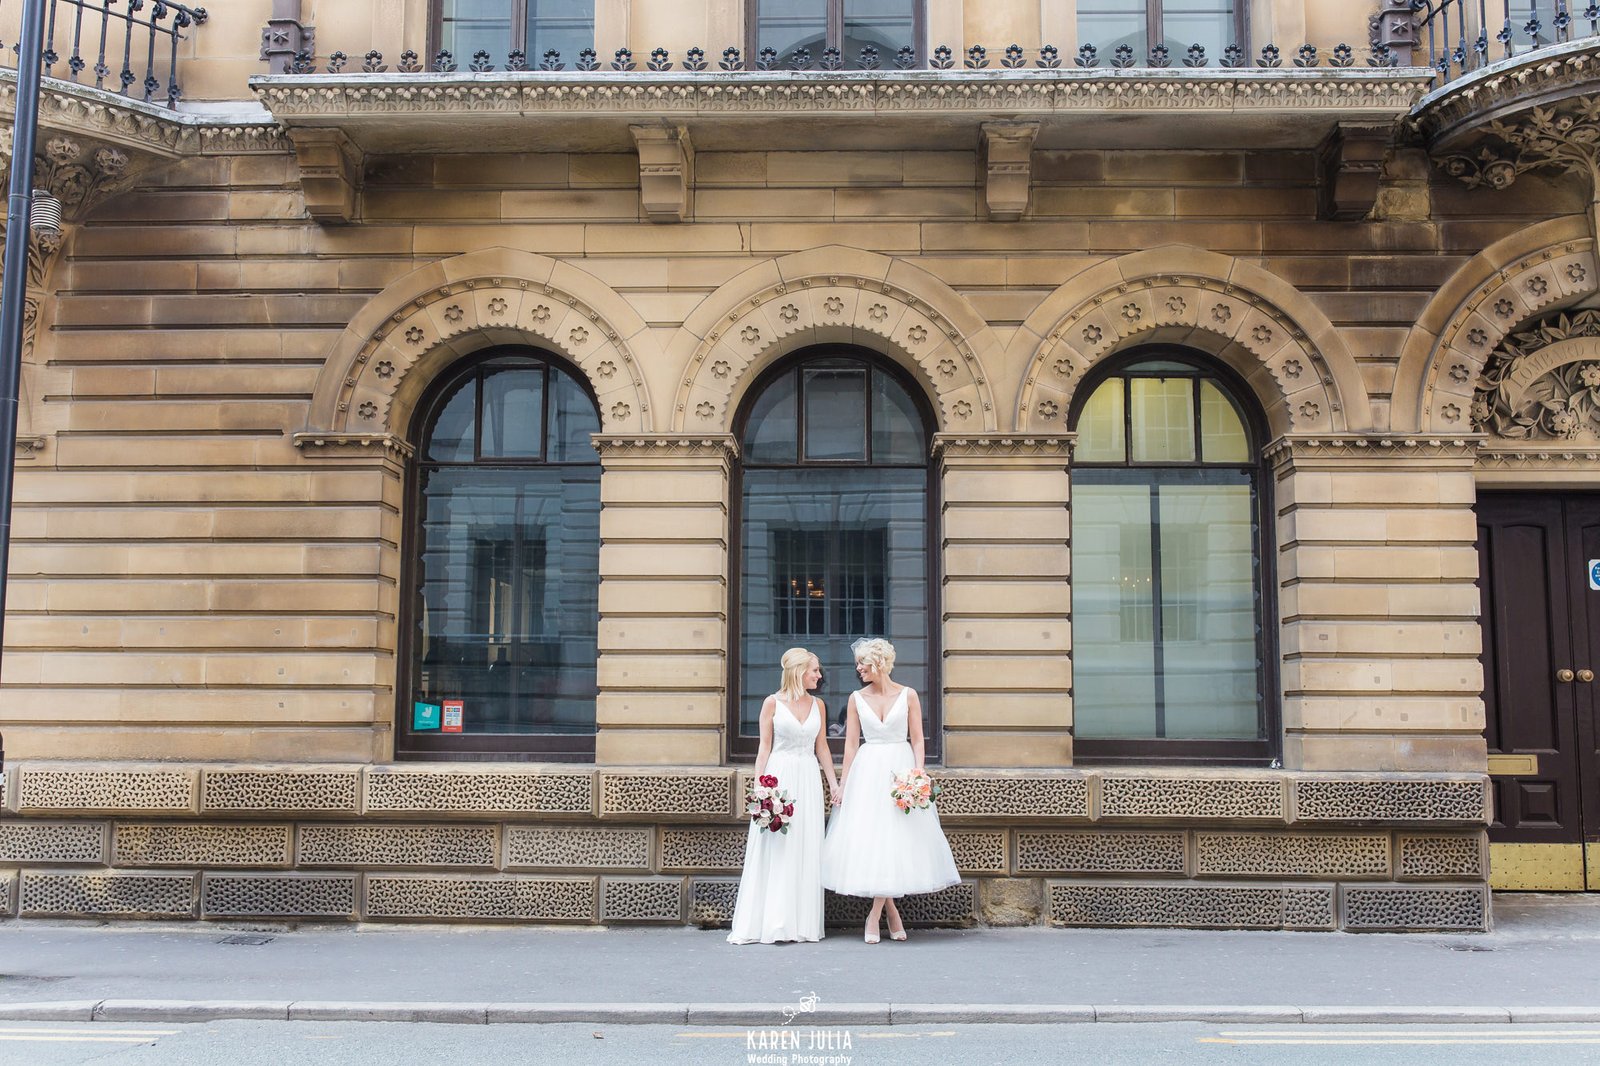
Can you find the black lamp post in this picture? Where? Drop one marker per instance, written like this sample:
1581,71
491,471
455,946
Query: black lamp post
14,288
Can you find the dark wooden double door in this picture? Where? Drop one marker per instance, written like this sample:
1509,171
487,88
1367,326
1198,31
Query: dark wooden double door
1541,659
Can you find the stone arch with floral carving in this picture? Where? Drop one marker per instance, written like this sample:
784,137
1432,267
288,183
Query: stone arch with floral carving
378,368
1502,290
1257,323
833,295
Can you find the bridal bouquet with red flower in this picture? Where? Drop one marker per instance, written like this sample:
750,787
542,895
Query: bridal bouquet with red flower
914,790
769,806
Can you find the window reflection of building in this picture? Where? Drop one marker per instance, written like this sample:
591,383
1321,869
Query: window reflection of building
1177,24
788,26
533,27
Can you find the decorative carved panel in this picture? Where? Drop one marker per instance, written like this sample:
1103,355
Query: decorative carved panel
398,845
1073,851
577,847
52,842
186,844
641,899
278,895
465,791
1341,799
1164,797
550,899
50,894
1227,854
86,789
1403,907
281,790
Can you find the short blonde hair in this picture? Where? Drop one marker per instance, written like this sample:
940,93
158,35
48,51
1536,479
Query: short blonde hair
875,652
795,663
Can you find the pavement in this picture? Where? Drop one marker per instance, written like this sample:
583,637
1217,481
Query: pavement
1536,967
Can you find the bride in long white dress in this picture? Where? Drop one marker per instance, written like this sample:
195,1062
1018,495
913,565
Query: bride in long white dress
873,848
780,890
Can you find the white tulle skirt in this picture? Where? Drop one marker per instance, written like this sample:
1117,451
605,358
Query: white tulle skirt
780,890
875,849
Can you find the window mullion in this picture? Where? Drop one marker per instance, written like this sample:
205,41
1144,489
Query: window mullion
519,27
1157,629
834,34
1155,26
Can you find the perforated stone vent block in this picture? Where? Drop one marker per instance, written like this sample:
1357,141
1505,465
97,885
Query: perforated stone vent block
53,842
42,788
1089,903
1071,851
974,797
1352,799
712,900
693,849
555,847
478,793
1267,854
8,894
1161,798
657,795
546,899
187,844
63,894
330,790
956,906
1429,856
278,895
398,845
1420,908
641,899
978,851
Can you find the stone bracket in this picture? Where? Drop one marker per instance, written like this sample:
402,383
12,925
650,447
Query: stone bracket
1352,169
1008,167
330,173
284,36
666,171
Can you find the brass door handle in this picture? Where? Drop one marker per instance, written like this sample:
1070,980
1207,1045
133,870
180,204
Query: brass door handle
1586,676
1563,674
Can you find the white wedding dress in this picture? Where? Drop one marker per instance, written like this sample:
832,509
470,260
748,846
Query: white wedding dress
780,890
873,847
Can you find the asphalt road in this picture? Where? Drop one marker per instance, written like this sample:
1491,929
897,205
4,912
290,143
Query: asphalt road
338,1044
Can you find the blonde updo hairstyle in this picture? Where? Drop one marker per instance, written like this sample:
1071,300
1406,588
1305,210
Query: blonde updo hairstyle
876,653
795,663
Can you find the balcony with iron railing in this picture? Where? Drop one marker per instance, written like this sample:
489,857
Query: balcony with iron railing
127,47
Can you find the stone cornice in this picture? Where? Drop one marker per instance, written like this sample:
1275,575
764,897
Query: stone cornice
1538,456
671,447
1536,78
345,445
1054,446
1375,447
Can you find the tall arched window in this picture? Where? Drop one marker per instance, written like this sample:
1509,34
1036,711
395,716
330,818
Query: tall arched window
1169,650
504,572
835,500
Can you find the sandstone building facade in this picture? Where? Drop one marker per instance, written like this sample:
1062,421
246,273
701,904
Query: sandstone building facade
1204,402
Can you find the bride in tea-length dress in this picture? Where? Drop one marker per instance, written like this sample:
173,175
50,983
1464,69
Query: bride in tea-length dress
780,890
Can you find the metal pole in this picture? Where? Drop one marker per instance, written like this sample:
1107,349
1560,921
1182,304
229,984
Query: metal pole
14,287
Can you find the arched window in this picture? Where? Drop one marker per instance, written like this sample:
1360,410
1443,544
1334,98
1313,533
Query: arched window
499,27
1169,649
504,566
834,499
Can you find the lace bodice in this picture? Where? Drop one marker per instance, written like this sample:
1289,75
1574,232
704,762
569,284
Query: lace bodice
891,728
792,735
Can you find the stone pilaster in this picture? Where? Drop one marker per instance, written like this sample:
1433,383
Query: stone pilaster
1375,576
1006,601
663,598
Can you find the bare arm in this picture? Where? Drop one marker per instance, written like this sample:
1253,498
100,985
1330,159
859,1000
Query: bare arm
852,740
824,753
768,709
914,724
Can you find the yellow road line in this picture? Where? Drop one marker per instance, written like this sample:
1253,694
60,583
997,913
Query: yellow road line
97,1031
16,1039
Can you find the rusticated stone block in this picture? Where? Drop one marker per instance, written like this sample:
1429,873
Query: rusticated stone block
53,894
278,895
429,790
1399,908
186,844
1105,903
977,796
555,847
1154,797
1268,854
658,795
978,851
1391,799
711,901
956,906
53,842
334,791
1072,851
1427,856
398,845
546,899
1007,901
641,899
692,849
44,788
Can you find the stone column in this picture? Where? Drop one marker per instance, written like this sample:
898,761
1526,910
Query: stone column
663,670
1376,564
1006,600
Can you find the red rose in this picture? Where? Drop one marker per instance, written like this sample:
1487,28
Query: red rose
766,805
788,809
777,824
768,781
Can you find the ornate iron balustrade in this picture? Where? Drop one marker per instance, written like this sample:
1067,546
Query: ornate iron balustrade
1466,35
139,33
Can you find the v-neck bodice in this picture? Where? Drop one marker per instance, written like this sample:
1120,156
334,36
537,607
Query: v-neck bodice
791,734
891,728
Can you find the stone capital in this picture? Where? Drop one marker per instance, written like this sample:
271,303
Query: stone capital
620,450
1374,451
1038,449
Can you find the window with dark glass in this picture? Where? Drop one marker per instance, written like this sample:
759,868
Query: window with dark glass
505,569
833,530
787,26
499,27
1167,587
1178,24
